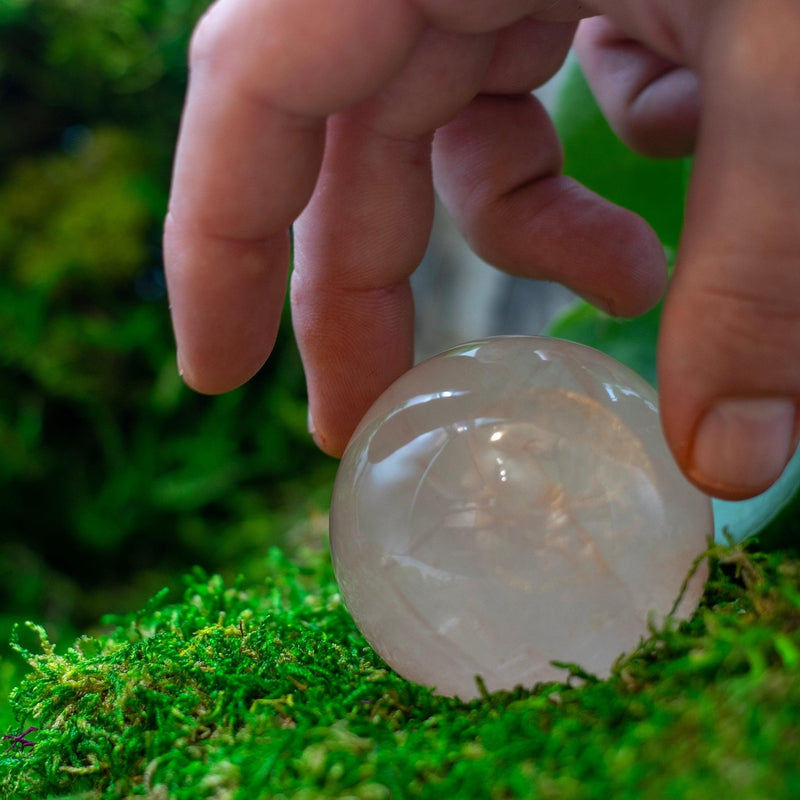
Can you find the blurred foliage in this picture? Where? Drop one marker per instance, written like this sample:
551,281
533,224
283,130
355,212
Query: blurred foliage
112,473
66,62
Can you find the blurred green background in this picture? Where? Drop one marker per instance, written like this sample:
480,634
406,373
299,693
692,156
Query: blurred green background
115,478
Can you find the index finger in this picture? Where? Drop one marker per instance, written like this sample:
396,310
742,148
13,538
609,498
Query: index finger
264,76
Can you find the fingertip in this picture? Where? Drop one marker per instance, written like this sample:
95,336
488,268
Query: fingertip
209,373
331,445
635,266
212,360
210,365
214,381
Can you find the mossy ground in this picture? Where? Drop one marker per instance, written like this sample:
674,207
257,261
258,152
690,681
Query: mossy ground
269,691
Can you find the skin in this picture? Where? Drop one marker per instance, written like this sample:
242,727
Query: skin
339,117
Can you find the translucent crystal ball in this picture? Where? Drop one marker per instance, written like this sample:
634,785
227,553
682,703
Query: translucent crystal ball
510,503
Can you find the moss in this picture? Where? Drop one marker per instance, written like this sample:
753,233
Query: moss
271,692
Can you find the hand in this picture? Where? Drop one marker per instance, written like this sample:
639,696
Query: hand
385,75
729,375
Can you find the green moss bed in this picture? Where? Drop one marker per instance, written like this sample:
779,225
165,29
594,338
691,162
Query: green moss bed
269,691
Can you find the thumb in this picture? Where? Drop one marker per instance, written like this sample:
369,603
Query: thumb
729,355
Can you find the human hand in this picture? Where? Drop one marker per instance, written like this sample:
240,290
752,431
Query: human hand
386,76
729,375
265,76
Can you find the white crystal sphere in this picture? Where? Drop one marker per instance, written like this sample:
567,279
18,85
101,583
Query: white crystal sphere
510,503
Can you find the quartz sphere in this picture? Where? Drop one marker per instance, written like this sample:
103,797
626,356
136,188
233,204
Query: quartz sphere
509,503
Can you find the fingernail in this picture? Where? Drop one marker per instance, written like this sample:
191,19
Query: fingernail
312,429
742,446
